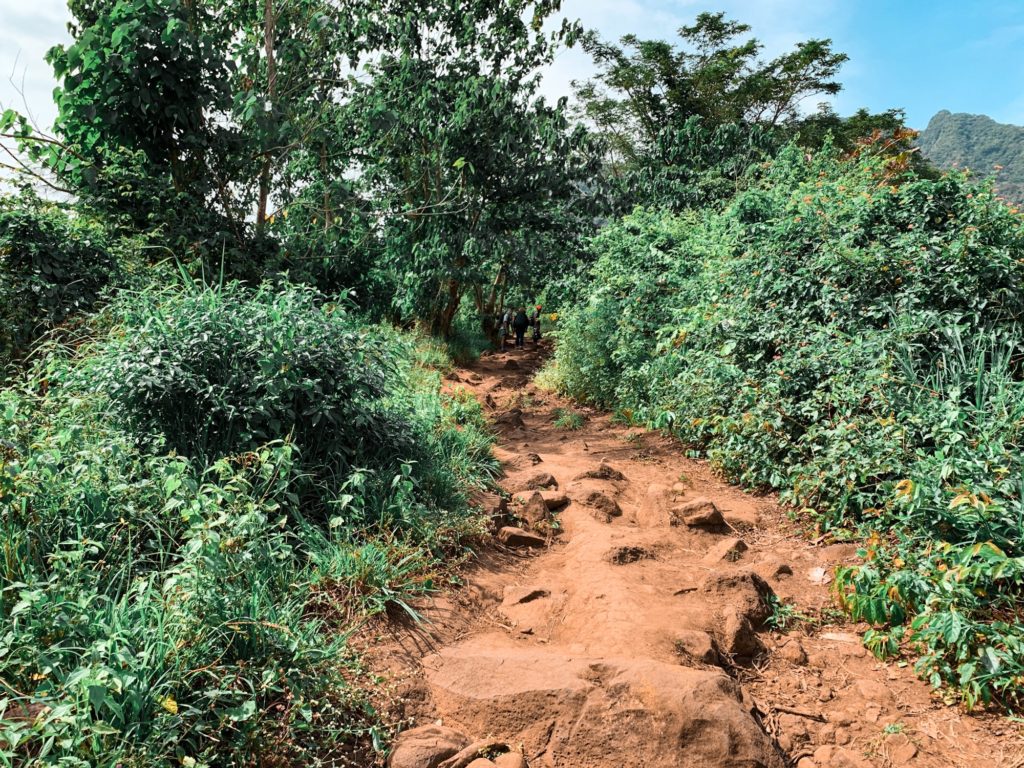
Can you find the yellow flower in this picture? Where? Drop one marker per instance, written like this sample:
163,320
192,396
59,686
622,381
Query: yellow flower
169,704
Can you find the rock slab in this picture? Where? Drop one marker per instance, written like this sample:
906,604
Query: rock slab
578,711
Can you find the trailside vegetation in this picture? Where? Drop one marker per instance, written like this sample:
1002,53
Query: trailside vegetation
848,333
196,516
223,440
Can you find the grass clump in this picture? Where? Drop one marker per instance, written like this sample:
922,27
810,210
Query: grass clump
847,333
568,419
188,498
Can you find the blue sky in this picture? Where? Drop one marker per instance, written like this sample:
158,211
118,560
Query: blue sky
964,56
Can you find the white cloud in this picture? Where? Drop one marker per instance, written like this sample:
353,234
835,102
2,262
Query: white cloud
27,32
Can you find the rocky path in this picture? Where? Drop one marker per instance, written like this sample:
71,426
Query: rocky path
626,620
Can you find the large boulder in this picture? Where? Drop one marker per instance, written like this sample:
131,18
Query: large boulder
577,711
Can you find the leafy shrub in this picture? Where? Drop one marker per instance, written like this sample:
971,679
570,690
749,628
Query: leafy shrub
210,373
219,371
159,607
52,265
847,333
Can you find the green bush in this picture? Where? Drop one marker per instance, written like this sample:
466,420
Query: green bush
210,373
162,607
847,333
52,265
214,372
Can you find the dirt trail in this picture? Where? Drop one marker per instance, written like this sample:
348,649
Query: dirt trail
622,623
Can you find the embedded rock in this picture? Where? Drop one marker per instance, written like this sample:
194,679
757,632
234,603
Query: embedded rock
603,472
603,507
540,481
581,711
426,747
517,537
730,550
535,509
699,513
694,645
744,593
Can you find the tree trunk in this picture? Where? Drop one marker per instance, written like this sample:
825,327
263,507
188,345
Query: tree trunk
487,311
328,211
443,321
268,45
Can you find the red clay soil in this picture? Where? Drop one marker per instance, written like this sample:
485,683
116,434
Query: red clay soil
619,620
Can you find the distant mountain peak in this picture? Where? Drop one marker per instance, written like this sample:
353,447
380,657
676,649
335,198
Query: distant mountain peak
977,142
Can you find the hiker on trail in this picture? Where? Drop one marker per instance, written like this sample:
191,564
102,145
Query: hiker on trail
535,322
506,318
519,324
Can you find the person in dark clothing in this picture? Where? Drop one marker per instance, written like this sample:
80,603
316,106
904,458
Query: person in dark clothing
519,324
535,322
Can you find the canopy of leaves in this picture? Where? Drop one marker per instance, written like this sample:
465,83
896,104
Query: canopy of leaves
646,86
405,139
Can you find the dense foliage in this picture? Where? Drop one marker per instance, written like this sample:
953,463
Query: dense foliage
51,267
257,139
219,460
848,333
979,144
170,607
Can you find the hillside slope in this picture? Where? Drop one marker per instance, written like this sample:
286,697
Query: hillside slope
980,143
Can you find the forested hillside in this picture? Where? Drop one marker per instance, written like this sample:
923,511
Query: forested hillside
978,143
237,268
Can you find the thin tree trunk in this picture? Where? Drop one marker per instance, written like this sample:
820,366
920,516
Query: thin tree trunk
328,211
443,321
487,311
268,45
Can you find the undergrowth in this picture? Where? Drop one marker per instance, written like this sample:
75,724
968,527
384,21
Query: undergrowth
568,419
847,333
189,499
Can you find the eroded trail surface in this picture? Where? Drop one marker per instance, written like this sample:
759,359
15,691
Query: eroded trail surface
622,622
